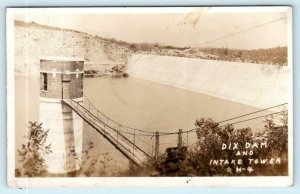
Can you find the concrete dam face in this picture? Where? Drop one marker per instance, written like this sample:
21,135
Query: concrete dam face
258,85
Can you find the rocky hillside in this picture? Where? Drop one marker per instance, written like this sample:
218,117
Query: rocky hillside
33,41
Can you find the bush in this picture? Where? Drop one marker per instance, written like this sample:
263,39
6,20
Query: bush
210,139
32,153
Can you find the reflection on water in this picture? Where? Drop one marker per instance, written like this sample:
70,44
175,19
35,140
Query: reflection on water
136,103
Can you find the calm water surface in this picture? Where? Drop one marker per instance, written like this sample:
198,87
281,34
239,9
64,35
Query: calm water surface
133,102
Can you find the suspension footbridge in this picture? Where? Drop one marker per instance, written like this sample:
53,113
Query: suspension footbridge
128,140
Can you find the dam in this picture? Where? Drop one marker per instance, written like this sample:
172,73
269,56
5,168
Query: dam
152,104
257,85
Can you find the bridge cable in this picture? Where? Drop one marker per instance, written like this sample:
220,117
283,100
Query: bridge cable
194,129
255,118
140,130
253,113
188,131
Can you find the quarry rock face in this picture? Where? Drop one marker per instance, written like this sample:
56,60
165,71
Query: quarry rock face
35,41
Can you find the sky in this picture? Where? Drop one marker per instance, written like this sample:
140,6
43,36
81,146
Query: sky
241,28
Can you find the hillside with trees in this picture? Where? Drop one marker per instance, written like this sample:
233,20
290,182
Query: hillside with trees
36,40
274,56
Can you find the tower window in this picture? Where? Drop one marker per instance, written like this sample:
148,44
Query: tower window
45,81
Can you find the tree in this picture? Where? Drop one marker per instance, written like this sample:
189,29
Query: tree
32,153
240,53
226,51
209,147
210,138
211,135
277,134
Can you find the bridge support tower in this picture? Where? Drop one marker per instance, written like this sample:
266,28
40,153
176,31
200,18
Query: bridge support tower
61,78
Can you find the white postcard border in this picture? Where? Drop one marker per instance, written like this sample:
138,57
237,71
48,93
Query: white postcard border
257,181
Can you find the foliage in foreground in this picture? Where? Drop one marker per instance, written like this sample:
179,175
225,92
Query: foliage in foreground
32,153
210,138
196,160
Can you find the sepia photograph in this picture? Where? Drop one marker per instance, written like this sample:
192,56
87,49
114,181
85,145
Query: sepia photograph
149,96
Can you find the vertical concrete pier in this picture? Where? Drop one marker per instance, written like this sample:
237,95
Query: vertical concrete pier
61,78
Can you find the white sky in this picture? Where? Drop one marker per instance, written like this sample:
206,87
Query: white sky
186,27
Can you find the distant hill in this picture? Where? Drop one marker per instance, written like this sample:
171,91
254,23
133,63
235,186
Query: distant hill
36,25
32,41
275,56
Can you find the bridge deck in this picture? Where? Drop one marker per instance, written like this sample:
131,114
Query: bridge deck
115,137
